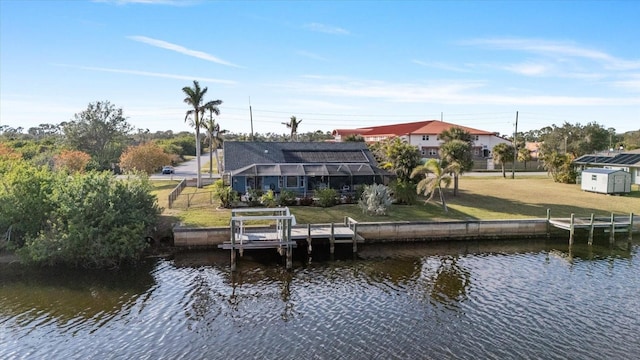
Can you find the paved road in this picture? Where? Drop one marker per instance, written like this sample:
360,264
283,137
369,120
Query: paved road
187,169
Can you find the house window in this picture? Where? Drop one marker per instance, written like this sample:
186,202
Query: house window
292,181
594,177
476,137
425,137
301,181
423,152
433,152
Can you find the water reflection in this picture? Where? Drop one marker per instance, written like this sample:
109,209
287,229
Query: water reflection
64,295
507,299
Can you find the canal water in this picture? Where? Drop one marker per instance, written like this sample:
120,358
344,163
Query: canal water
535,299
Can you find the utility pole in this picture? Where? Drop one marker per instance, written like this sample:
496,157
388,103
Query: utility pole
251,117
515,149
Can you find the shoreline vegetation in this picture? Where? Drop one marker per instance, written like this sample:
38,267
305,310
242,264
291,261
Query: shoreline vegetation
480,198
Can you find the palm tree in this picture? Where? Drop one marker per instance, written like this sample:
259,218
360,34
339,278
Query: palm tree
195,98
457,153
293,125
435,177
214,134
456,149
502,153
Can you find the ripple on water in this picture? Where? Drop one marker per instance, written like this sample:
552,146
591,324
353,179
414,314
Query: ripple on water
423,301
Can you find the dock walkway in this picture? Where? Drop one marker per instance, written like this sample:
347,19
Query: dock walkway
282,235
612,223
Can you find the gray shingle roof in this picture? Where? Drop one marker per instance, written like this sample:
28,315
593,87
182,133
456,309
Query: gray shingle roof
240,154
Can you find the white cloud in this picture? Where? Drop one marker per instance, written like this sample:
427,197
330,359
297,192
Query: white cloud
311,55
440,65
529,69
631,83
154,74
147,2
557,49
327,29
445,92
181,49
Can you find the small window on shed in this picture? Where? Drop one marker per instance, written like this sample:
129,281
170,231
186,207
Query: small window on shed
594,177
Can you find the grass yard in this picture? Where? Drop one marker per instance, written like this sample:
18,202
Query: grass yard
482,198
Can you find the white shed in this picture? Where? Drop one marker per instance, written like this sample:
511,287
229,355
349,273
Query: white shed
606,181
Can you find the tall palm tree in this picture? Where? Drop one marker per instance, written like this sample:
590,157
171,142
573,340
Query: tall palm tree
195,98
293,125
435,176
214,134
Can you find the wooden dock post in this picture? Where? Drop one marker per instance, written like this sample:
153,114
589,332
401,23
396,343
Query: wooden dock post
309,239
612,235
355,238
571,229
287,239
548,223
233,246
332,240
630,226
591,230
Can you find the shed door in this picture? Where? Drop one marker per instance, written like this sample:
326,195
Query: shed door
618,184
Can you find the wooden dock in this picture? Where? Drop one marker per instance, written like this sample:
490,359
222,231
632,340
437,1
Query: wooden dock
611,223
283,236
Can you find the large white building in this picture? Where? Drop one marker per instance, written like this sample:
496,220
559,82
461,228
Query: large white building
425,135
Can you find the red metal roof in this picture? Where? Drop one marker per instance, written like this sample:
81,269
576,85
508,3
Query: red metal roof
429,127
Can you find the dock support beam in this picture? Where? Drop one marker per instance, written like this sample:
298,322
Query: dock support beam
332,240
355,238
630,226
286,237
612,235
572,229
548,223
309,239
591,227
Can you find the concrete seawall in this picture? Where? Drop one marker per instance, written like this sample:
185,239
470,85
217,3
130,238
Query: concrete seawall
404,231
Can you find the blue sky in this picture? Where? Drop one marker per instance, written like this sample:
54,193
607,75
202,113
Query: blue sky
342,64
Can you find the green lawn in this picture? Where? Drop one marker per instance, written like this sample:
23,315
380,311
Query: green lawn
482,198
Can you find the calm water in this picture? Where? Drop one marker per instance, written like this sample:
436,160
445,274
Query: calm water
506,300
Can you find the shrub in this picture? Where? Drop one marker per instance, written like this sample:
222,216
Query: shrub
286,198
306,201
376,199
253,197
327,197
268,199
404,192
98,222
225,194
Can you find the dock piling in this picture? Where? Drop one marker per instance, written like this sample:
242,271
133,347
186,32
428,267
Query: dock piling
332,240
630,226
572,229
591,228
612,235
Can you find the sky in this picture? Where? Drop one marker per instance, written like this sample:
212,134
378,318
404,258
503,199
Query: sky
335,65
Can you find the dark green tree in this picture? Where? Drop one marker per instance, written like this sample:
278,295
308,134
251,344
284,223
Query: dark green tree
398,156
100,131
